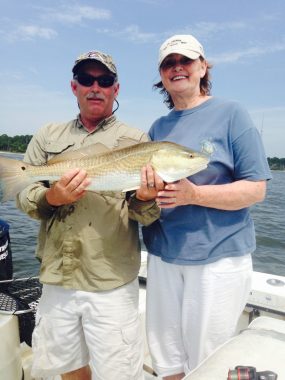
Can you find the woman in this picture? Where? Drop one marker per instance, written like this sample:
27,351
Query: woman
199,268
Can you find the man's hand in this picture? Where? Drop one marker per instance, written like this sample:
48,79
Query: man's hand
70,188
151,183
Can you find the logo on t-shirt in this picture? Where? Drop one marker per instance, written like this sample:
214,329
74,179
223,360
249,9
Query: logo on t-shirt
207,147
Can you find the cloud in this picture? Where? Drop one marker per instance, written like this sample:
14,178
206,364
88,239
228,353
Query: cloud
75,14
131,33
152,2
203,30
257,51
135,34
64,14
28,32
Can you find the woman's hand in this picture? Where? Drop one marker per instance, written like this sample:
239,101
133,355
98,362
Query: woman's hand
177,193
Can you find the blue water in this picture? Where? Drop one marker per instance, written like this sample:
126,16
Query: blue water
269,219
268,216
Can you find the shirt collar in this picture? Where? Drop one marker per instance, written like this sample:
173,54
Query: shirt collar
105,124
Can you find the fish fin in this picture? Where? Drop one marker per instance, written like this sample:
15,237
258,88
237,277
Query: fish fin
124,142
92,150
130,189
13,178
88,151
167,177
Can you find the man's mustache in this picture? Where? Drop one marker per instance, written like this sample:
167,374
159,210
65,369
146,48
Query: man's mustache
93,95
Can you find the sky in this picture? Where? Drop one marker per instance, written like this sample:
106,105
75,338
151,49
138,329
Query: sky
40,40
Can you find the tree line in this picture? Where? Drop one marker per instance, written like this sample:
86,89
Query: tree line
18,144
276,163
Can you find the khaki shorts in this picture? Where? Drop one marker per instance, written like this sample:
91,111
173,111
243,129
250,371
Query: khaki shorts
74,328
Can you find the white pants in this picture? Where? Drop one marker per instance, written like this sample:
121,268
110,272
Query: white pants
74,328
193,309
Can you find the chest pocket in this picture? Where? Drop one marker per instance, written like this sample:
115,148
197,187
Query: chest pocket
57,147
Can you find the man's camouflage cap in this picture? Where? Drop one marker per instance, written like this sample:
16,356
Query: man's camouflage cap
105,59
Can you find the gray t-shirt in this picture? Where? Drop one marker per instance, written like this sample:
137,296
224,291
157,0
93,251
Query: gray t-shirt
199,235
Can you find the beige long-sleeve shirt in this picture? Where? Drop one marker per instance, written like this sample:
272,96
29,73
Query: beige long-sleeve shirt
91,244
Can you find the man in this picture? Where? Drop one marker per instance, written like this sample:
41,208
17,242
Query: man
88,246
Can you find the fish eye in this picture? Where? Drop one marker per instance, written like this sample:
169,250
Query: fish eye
191,155
23,168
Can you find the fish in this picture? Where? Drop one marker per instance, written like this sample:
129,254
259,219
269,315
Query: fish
116,170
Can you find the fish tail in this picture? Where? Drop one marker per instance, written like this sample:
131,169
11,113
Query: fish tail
13,178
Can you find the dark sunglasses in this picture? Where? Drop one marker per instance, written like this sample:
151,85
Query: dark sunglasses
88,80
168,63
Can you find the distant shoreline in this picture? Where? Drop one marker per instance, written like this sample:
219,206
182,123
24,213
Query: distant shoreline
6,152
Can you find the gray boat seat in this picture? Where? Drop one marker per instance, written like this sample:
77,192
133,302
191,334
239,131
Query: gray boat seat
261,345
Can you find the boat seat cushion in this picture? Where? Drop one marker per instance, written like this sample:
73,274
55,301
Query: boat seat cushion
261,345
